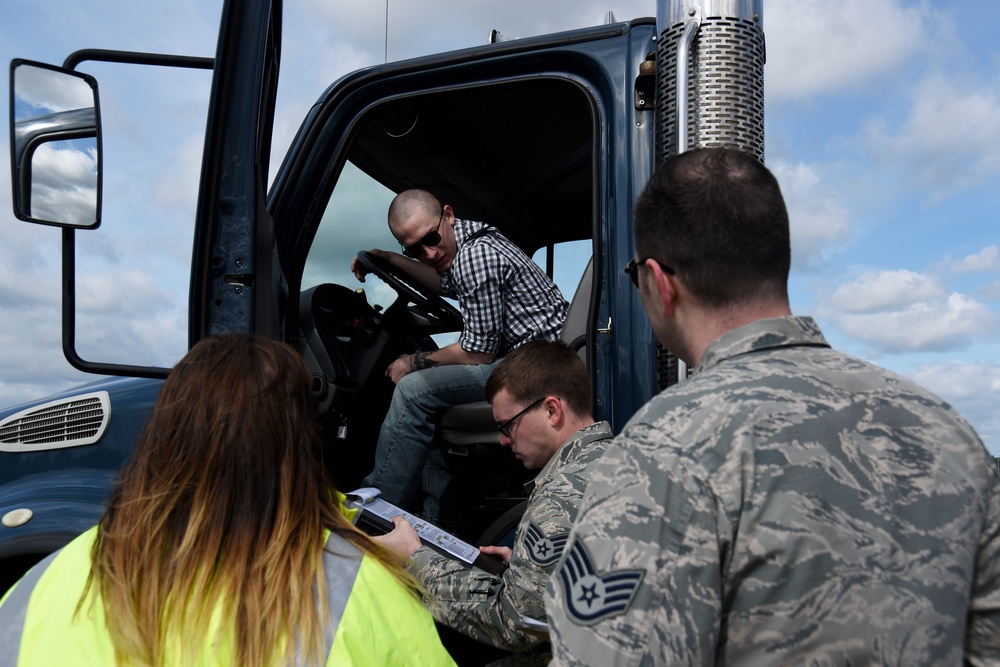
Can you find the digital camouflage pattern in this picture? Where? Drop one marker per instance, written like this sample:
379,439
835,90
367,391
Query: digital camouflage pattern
489,608
786,505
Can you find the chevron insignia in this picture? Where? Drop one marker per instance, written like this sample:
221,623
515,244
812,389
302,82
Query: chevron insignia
541,549
593,597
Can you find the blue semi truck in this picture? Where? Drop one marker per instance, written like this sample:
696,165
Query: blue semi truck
572,124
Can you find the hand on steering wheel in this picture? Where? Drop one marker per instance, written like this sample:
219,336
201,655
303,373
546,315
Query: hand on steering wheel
428,305
358,267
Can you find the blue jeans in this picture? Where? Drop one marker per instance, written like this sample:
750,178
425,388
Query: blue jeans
407,436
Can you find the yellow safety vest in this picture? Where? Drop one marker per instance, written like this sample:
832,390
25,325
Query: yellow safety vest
373,620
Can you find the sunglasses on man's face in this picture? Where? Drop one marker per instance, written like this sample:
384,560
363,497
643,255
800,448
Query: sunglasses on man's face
430,240
632,269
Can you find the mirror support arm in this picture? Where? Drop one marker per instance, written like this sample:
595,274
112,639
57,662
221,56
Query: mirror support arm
69,322
136,58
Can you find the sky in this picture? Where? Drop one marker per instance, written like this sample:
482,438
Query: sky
882,125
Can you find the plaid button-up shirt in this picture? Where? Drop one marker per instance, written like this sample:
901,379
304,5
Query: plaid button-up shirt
505,298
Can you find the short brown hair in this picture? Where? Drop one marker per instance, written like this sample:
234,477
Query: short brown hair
542,368
716,216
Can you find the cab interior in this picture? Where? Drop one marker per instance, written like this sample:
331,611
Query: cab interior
482,150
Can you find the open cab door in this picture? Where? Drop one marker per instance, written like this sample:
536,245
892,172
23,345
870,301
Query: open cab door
235,277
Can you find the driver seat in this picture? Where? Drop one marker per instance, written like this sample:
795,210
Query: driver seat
468,433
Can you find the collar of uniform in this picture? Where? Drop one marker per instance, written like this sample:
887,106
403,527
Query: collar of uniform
760,335
596,431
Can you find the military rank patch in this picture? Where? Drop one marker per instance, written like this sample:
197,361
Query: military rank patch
593,597
544,550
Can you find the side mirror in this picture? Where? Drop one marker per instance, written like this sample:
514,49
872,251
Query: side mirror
55,145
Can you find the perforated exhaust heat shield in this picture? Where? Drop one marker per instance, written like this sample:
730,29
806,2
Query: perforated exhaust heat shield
711,53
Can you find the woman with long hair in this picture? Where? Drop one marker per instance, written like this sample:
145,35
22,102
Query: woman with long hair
223,542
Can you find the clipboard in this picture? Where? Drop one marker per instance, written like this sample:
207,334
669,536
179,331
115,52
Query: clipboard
375,515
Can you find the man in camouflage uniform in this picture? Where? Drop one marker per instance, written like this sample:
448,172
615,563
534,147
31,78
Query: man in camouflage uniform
541,400
788,504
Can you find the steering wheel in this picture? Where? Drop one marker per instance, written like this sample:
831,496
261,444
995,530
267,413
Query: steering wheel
442,315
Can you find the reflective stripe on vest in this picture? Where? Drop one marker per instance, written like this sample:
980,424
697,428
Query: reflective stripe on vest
341,564
14,612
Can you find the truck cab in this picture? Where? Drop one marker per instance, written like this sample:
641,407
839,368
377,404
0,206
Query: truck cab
549,139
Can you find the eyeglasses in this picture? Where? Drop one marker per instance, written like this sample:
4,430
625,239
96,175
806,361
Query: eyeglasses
430,240
632,269
506,427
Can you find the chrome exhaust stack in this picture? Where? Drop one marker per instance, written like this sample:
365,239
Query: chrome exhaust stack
710,75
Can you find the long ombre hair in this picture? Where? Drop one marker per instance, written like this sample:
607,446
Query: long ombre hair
220,514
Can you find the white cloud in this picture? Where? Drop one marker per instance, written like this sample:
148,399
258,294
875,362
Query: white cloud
902,311
886,290
31,357
29,267
949,142
819,47
973,388
817,218
962,380
992,291
176,186
113,290
986,260
23,283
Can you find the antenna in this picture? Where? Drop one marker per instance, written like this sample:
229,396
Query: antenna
386,31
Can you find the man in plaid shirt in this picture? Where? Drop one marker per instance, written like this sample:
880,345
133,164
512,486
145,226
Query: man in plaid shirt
505,299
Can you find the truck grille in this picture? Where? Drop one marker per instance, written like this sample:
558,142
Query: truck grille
68,422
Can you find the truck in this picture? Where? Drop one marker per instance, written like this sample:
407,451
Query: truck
548,138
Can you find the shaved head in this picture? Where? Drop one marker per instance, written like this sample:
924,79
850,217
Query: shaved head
409,202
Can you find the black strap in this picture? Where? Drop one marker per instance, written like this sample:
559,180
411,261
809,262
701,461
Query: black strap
482,232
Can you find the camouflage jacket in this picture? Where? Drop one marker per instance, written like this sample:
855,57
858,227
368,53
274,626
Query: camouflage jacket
489,608
786,505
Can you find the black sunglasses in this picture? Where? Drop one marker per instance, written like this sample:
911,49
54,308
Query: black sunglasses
430,240
505,428
632,269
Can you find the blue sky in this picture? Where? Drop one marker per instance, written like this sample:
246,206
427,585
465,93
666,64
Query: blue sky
882,125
